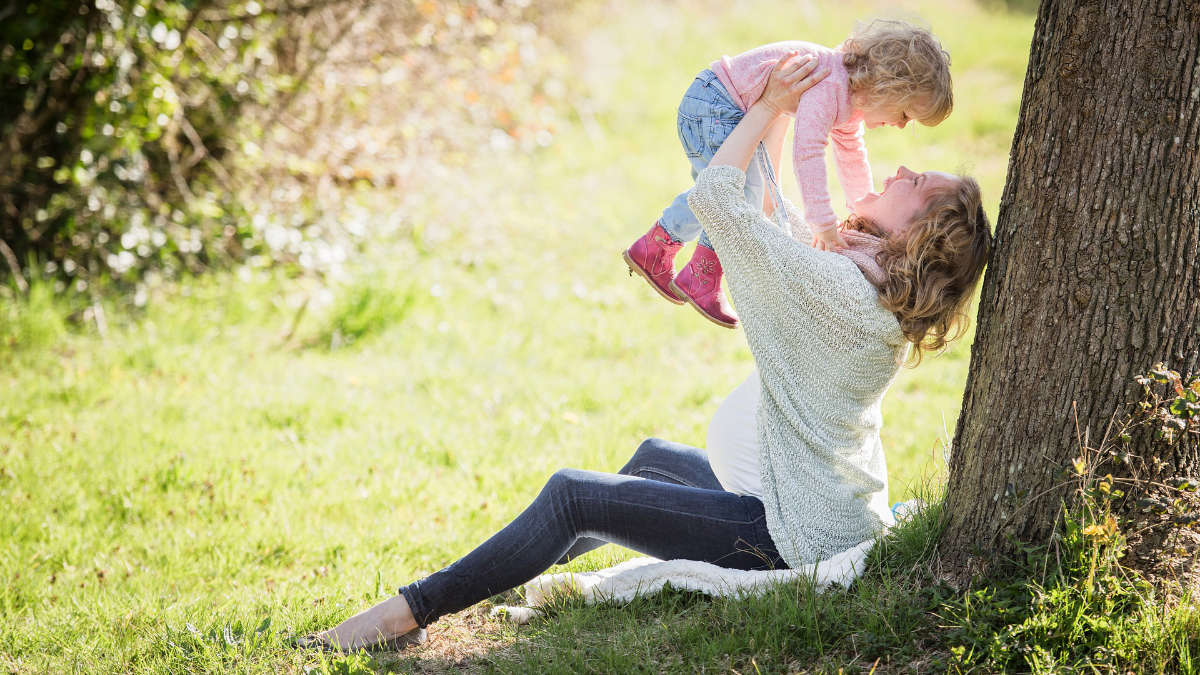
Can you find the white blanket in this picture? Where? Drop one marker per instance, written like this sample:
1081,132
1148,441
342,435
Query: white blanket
647,576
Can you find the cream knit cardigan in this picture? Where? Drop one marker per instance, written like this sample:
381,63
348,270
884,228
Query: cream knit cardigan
826,352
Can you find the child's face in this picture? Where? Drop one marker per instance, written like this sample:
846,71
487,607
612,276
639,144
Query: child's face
904,197
890,116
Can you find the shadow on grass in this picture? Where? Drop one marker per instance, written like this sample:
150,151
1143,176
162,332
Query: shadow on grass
788,628
899,617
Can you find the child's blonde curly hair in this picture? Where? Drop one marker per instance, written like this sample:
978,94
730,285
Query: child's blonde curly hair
933,267
894,64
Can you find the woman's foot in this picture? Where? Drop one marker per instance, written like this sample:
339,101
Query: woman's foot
652,256
699,282
388,625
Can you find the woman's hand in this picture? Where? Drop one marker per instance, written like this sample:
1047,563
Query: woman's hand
790,78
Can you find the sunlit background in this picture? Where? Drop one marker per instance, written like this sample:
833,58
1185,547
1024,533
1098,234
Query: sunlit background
305,300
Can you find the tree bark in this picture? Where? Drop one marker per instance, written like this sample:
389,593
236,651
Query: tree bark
1094,275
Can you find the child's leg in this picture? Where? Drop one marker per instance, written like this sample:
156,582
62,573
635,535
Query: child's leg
703,109
755,187
699,282
677,219
706,117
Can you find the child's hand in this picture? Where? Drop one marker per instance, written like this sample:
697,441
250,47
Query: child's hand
790,78
828,240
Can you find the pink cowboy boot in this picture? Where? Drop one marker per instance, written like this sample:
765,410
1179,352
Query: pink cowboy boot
700,283
653,257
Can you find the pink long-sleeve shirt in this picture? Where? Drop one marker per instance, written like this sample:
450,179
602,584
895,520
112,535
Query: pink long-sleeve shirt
824,112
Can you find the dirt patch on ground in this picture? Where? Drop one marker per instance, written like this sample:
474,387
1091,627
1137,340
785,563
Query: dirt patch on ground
459,643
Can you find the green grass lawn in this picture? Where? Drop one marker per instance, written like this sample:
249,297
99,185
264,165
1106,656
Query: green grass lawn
187,490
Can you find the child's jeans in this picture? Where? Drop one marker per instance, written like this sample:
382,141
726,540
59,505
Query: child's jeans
666,502
707,115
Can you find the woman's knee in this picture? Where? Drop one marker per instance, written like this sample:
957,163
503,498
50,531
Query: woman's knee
650,452
565,492
559,480
562,485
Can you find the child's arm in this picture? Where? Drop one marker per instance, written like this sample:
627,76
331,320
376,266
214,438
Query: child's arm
814,122
850,154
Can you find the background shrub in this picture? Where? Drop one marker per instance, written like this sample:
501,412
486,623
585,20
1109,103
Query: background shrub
146,138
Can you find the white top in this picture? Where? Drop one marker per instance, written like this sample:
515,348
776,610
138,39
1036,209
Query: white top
732,444
826,352
732,447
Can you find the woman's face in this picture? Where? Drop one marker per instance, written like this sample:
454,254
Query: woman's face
903,198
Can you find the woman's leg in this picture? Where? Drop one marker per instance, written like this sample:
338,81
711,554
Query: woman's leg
660,519
664,461
654,460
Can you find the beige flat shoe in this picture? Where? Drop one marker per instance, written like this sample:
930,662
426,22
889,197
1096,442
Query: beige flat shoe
415,636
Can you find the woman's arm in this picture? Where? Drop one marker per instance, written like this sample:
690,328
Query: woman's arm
774,143
786,84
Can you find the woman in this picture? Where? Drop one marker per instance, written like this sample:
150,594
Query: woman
828,332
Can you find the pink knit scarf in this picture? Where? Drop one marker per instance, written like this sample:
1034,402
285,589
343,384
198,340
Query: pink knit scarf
862,248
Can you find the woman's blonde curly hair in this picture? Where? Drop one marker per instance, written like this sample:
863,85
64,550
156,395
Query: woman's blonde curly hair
933,267
896,65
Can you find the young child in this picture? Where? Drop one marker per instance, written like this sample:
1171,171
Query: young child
887,73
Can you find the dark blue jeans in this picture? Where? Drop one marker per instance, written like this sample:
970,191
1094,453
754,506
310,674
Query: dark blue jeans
665,503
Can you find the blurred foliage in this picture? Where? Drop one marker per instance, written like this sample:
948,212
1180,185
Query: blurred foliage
1023,6
146,138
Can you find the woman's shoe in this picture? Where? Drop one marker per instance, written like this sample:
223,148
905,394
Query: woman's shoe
415,636
699,282
652,256
313,642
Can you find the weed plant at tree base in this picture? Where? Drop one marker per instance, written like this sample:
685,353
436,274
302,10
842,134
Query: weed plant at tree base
1162,509
147,138
1081,602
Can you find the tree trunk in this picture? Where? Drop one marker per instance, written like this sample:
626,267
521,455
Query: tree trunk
1094,277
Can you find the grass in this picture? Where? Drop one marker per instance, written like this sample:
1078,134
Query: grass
251,457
